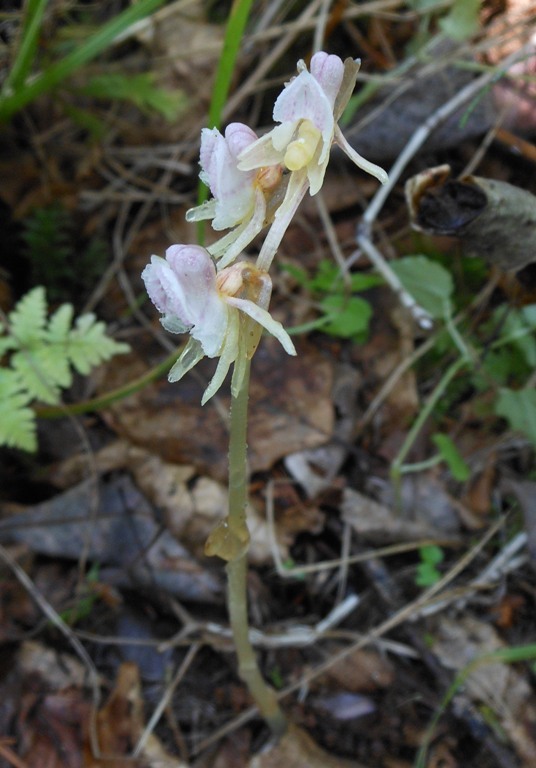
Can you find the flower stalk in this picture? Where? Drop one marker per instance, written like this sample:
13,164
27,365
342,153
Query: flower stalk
230,540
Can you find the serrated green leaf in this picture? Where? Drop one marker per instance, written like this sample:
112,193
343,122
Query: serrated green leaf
428,282
450,454
350,316
17,420
89,345
518,407
59,324
27,320
42,371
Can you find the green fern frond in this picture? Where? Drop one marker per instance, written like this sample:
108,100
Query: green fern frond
88,344
27,321
17,420
42,355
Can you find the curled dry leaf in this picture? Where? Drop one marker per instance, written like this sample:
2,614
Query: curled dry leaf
493,219
498,686
120,723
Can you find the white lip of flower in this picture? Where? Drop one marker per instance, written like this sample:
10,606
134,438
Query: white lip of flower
308,110
215,308
238,196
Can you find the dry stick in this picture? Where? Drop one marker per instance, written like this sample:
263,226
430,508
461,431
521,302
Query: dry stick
166,698
412,609
363,235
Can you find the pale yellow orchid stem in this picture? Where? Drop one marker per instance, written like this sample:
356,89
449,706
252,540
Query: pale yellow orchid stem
230,541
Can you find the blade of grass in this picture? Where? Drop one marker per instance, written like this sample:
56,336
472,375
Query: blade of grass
59,71
29,37
222,83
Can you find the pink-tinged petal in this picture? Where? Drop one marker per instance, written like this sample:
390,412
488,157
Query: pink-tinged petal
231,188
195,274
165,290
328,70
210,142
239,136
304,99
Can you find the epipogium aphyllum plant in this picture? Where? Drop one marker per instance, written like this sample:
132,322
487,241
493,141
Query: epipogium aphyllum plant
221,298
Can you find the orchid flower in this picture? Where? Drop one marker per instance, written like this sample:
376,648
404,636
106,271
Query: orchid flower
308,110
239,197
224,312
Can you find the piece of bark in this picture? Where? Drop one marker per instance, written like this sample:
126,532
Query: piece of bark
493,219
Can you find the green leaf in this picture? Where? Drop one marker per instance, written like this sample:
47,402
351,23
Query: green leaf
518,329
17,420
450,454
39,365
462,20
429,283
27,320
427,574
88,344
59,324
350,316
42,371
518,407
431,554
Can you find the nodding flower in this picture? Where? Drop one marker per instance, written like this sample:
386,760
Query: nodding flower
307,110
241,199
224,312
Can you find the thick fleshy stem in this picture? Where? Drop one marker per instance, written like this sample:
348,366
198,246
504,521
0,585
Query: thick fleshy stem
230,541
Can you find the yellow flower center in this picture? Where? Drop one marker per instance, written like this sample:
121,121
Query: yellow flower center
300,151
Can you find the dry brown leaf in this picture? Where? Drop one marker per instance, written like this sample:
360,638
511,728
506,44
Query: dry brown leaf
297,750
290,409
496,685
362,671
426,517
191,505
57,669
120,723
